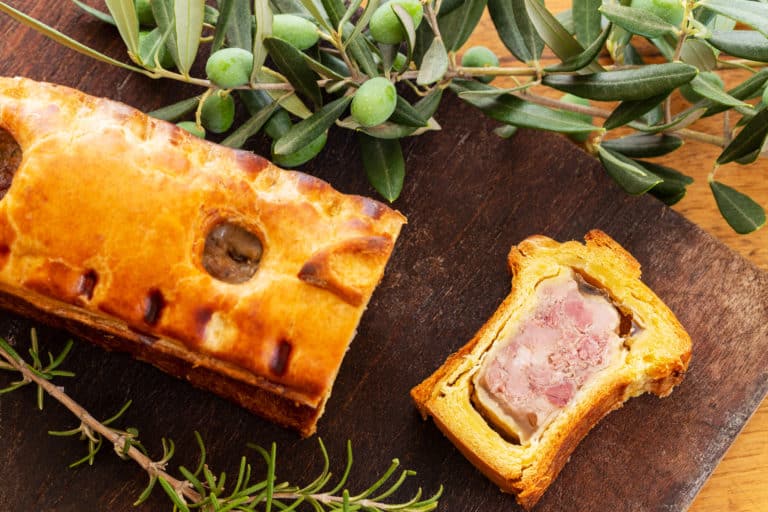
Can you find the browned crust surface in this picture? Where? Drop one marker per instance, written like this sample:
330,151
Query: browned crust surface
109,210
655,362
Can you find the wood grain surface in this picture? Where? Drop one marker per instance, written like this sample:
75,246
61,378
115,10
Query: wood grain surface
468,196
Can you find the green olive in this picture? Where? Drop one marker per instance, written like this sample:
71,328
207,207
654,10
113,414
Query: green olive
295,30
144,13
480,57
374,101
669,10
385,27
229,67
301,156
709,77
218,112
192,128
576,100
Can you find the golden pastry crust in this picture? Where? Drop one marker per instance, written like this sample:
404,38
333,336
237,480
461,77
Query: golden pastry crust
108,214
656,358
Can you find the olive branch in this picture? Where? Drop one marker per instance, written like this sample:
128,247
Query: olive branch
202,488
302,66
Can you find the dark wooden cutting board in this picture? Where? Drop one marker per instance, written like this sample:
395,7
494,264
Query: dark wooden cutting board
468,196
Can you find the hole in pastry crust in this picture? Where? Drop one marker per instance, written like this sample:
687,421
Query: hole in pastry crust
279,363
87,284
10,159
231,253
153,307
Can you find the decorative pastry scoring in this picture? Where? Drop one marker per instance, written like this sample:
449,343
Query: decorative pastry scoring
578,335
256,273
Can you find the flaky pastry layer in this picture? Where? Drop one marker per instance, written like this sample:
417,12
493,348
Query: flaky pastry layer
655,359
107,217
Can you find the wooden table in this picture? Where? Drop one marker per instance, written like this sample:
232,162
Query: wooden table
740,482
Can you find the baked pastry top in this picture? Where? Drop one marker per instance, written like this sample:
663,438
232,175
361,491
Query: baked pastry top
209,254
577,336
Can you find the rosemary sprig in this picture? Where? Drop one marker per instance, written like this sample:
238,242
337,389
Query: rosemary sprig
203,489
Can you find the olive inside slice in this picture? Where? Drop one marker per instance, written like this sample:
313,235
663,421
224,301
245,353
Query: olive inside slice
231,253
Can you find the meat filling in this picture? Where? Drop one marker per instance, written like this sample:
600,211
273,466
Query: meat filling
570,335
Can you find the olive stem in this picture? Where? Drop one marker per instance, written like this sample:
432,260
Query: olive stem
685,133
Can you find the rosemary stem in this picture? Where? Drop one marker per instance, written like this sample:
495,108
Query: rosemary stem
95,425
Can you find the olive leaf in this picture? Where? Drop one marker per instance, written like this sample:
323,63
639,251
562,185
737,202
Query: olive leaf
99,15
360,51
434,64
176,110
427,106
589,54
407,115
741,212
263,15
235,24
638,21
384,165
750,139
749,88
447,6
319,13
747,44
630,175
698,53
457,25
152,48
512,110
407,23
679,121
309,129
292,65
586,20
127,21
189,27
250,127
388,130
291,103
362,22
515,29
505,131
321,69
643,145
349,12
554,34
626,84
711,91
753,14
63,39
674,186
165,17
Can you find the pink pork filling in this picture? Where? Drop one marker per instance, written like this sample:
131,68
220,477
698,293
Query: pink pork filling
567,338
